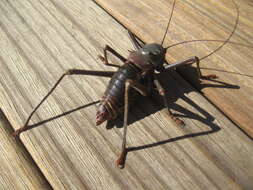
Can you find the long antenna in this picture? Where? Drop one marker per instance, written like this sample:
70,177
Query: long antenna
225,41
173,7
209,40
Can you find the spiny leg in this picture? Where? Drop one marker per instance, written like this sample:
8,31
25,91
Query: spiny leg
114,52
69,72
190,61
163,94
143,91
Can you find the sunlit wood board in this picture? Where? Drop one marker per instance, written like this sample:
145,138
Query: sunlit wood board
232,92
41,40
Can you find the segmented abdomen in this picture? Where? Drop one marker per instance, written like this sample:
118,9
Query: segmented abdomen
113,98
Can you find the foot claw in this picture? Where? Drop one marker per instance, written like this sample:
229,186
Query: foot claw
208,77
120,162
101,58
179,122
16,133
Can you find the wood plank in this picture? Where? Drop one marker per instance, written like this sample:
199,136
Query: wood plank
16,163
195,19
42,39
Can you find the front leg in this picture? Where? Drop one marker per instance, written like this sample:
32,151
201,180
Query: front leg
134,40
208,77
114,52
190,61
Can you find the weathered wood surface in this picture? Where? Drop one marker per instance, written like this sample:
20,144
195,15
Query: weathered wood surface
41,40
195,19
17,169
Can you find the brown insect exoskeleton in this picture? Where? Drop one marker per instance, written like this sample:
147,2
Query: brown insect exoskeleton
138,73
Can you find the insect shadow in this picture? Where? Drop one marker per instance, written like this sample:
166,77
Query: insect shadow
190,75
154,103
62,115
224,71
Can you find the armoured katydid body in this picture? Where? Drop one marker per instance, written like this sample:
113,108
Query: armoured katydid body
139,67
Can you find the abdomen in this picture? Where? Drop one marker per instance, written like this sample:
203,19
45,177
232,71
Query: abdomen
113,98
116,87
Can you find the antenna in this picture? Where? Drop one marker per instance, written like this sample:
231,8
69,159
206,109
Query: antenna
224,41
229,37
172,10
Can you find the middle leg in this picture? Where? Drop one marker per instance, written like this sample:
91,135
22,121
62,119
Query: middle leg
143,91
163,94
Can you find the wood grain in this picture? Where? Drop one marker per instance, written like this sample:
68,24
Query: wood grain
195,19
41,40
17,169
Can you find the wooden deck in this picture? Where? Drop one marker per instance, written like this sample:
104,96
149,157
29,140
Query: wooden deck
41,39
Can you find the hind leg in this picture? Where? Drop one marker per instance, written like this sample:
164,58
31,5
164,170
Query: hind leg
69,72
